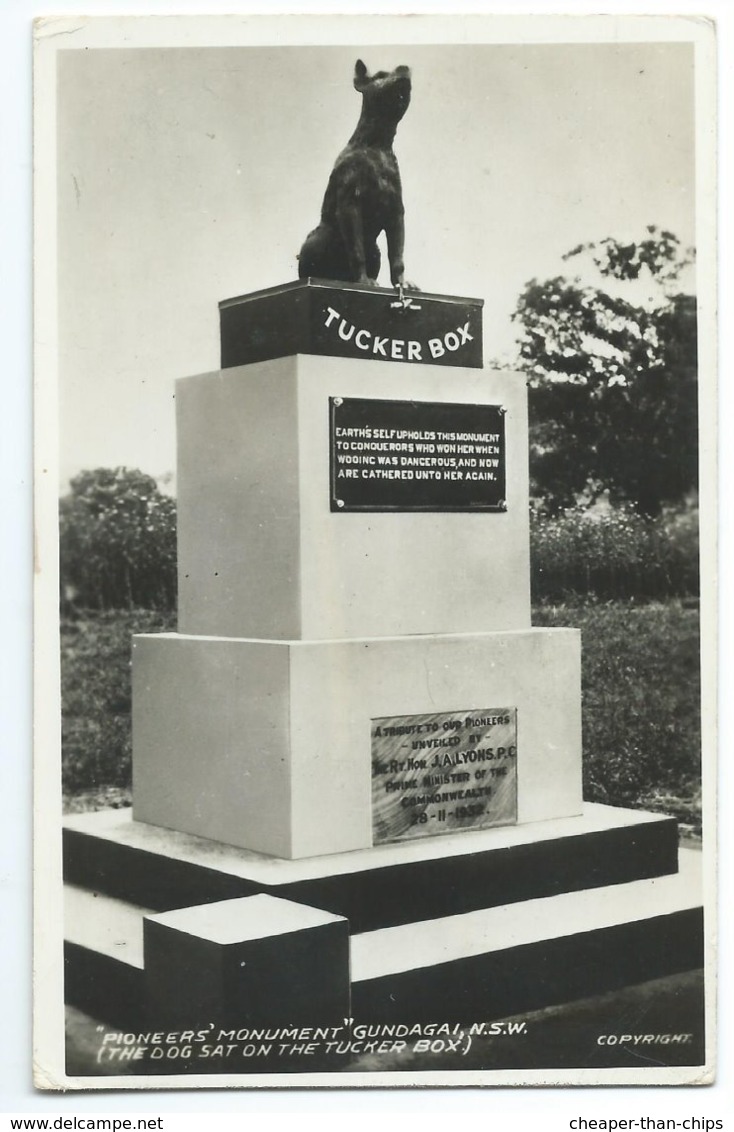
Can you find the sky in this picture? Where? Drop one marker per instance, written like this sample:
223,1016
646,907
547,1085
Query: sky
191,175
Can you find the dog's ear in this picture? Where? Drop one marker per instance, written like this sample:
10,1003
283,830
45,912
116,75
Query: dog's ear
361,75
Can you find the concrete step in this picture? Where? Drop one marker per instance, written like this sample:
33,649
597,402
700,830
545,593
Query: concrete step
109,853
480,965
103,957
528,955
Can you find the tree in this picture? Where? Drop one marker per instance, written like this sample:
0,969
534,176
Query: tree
612,375
117,541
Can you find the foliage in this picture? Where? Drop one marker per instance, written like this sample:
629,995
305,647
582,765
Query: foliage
96,695
615,554
641,703
612,372
117,542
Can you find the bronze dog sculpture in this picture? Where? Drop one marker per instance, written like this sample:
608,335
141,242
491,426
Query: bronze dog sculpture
364,196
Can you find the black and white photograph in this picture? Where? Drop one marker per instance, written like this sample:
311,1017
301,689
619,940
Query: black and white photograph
375,518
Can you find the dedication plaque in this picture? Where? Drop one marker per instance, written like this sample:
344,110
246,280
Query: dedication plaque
444,772
416,456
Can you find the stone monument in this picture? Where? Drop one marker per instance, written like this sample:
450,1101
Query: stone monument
357,764
357,783
355,662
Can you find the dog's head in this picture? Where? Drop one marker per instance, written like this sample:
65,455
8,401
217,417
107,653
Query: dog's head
386,93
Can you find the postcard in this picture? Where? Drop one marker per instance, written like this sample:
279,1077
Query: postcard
375,523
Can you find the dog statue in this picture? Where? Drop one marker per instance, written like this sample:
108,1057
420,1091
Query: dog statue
364,196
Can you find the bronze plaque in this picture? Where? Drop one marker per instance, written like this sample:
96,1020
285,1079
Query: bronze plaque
443,772
416,456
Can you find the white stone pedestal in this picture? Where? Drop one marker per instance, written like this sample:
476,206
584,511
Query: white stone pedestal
262,555
353,549
266,745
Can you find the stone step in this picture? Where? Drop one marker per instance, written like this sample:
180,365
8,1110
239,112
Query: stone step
480,965
103,957
109,853
528,955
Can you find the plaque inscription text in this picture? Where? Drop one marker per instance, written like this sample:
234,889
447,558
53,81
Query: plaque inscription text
442,773
416,456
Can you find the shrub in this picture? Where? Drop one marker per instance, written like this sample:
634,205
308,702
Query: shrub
96,695
617,554
117,536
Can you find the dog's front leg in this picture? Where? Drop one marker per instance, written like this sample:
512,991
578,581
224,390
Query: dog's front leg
395,232
349,212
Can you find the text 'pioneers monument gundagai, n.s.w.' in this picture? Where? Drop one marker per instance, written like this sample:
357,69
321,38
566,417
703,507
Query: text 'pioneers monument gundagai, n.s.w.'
357,766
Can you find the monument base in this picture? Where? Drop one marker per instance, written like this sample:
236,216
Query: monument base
145,866
272,745
475,926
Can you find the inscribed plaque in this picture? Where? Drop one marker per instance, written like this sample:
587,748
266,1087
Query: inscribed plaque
416,456
443,772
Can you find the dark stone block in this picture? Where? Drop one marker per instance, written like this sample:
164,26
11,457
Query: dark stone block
345,320
256,961
384,895
103,987
499,984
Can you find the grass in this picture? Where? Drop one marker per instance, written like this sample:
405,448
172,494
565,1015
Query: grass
640,684
640,702
96,703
